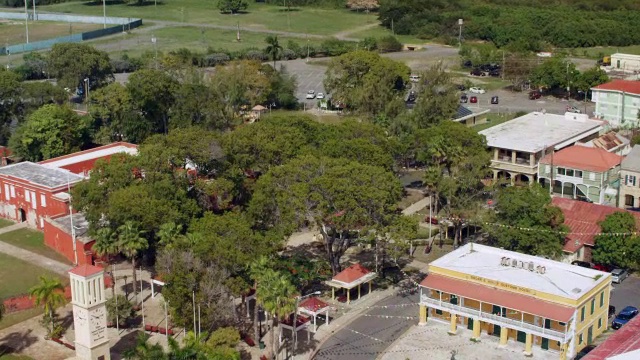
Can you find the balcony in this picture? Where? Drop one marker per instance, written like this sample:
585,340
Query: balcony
494,319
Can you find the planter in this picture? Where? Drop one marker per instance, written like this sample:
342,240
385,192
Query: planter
147,327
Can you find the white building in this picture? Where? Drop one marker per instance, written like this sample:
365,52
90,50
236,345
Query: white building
625,62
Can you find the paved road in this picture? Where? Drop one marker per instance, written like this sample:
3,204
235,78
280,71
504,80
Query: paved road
367,336
510,102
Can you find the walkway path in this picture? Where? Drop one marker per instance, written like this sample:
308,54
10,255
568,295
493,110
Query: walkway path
31,257
416,206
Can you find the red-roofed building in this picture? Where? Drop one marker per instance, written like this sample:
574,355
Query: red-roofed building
314,307
580,172
349,278
83,161
618,102
622,344
583,220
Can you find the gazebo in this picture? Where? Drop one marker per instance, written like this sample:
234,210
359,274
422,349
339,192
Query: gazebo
301,323
257,110
354,275
314,307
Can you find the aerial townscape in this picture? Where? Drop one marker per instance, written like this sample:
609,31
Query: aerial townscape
319,179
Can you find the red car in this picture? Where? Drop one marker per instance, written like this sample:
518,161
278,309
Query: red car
473,100
431,220
601,267
534,95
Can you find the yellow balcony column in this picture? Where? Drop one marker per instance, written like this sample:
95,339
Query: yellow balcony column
358,291
504,333
528,345
454,324
423,315
348,296
563,351
477,327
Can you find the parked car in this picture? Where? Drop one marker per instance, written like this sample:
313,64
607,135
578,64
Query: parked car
477,90
583,264
573,109
464,98
535,95
320,96
612,310
587,349
624,316
467,64
618,275
311,94
416,184
494,100
473,100
477,72
430,219
494,73
605,268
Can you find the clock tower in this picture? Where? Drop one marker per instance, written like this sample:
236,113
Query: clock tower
89,313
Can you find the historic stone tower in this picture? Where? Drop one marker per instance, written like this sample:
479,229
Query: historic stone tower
89,313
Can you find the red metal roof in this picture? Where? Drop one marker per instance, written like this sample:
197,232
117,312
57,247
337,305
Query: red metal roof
313,304
492,295
83,152
583,220
622,341
352,273
627,86
583,158
85,270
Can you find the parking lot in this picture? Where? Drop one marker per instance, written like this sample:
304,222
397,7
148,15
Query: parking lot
510,102
309,76
627,293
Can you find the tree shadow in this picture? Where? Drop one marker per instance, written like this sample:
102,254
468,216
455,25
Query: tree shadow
125,343
66,321
17,341
145,3
289,10
108,2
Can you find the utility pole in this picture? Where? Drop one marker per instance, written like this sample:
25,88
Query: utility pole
34,10
460,33
504,65
154,40
238,32
193,299
142,297
392,30
26,19
104,12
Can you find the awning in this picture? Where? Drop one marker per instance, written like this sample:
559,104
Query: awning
491,295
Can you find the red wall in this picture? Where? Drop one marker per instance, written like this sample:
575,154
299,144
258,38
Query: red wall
52,208
61,242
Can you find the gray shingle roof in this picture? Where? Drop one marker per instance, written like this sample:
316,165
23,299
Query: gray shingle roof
632,161
40,175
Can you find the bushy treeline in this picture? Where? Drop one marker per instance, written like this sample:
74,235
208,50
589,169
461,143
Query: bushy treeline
19,3
522,25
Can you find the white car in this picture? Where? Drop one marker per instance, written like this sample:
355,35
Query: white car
311,94
477,90
320,96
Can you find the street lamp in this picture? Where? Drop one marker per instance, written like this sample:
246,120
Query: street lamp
104,13
460,22
295,320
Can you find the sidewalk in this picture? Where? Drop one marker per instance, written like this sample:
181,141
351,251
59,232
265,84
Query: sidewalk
30,257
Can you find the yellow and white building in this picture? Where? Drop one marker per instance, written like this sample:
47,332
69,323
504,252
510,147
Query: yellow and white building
544,304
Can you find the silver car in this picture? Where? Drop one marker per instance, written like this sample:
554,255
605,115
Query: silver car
618,275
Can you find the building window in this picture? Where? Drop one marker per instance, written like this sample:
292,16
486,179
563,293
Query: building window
580,339
593,305
629,180
628,200
599,323
592,176
13,191
43,200
561,171
582,314
578,174
602,299
26,196
547,168
439,312
7,196
569,172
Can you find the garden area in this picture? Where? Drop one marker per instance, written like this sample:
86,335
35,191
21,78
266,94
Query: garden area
33,241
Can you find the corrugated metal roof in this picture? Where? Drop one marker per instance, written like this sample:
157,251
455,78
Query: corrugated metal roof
624,340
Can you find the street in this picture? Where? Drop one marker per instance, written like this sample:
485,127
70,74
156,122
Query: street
625,294
370,334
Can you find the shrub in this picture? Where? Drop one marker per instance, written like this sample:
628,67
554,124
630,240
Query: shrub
389,44
255,55
288,54
336,47
216,59
295,47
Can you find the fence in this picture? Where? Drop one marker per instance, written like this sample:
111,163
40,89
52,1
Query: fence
121,25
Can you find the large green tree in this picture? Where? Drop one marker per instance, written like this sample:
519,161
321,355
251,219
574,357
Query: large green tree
591,78
338,195
437,98
10,102
556,73
242,83
131,243
153,93
50,131
232,6
527,222
618,244
276,294
366,82
72,63
116,117
273,49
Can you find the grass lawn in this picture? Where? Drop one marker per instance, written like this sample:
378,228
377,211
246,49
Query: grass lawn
259,16
16,318
17,276
595,52
14,357
494,119
381,31
5,223
193,38
13,32
33,241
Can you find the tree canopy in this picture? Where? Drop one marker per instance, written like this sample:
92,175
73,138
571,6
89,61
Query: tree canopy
71,63
618,245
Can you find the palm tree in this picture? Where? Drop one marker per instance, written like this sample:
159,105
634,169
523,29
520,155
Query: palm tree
256,271
50,294
273,48
277,296
143,351
168,233
106,245
130,243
